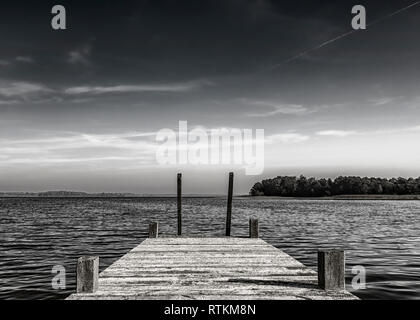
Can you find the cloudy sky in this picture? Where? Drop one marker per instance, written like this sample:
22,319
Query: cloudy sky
80,108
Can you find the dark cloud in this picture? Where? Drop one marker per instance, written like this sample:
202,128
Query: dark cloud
144,65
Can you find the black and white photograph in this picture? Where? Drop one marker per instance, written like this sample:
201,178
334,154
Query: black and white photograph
228,152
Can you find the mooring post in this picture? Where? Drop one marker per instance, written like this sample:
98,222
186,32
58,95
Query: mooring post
229,205
87,274
153,230
179,198
331,270
253,228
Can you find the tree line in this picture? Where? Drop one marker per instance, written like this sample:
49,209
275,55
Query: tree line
288,186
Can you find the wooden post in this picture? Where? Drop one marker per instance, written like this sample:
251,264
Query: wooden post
153,230
87,274
229,205
253,228
331,270
179,198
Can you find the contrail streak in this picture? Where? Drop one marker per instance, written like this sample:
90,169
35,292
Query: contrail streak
303,53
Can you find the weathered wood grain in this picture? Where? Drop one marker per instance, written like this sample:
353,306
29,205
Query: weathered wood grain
179,203
87,274
208,268
253,228
202,241
229,205
153,230
331,269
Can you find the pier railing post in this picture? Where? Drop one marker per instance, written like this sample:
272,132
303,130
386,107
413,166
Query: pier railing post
179,207
229,205
87,274
153,230
331,270
253,228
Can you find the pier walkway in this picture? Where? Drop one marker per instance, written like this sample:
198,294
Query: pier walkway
224,268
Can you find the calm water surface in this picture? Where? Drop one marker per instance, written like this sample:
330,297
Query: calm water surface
36,234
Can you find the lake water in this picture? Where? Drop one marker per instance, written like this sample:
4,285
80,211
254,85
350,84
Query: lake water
37,233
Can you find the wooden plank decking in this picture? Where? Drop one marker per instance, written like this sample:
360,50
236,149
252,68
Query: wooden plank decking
208,268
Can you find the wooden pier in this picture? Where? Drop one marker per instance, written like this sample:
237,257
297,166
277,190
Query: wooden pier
225,268
210,269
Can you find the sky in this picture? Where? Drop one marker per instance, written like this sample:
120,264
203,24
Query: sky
80,108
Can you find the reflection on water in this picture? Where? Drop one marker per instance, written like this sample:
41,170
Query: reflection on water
36,234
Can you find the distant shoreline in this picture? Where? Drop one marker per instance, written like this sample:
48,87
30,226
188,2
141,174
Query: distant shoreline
257,198
344,197
106,197
76,194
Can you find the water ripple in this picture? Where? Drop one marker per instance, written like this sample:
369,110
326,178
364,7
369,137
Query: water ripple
36,234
